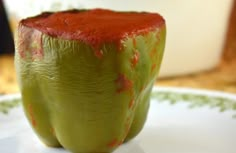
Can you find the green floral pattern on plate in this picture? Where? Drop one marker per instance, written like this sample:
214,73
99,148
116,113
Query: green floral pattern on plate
194,100
6,106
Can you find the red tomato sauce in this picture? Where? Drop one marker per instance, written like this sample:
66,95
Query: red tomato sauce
95,27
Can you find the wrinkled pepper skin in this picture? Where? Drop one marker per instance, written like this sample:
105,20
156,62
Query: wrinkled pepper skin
85,101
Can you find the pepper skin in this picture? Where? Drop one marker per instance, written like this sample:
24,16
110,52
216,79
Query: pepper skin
83,99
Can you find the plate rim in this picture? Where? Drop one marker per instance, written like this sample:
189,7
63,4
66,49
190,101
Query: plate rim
156,88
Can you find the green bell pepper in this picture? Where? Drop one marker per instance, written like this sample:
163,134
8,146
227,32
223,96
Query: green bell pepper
85,100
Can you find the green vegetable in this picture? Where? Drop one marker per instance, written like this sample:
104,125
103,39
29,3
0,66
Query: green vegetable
84,102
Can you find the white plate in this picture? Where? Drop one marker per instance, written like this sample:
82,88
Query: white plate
180,121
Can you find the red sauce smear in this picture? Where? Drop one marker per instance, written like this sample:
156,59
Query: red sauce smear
134,43
153,52
142,88
31,115
123,83
127,128
113,143
153,68
52,131
96,26
131,103
135,58
98,53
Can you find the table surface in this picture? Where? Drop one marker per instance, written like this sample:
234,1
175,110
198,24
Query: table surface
222,78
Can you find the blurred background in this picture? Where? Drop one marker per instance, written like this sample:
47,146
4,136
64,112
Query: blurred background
201,38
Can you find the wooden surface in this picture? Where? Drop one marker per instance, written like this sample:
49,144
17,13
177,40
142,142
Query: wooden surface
222,78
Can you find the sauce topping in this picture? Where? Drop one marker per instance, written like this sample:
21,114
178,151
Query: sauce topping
96,26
